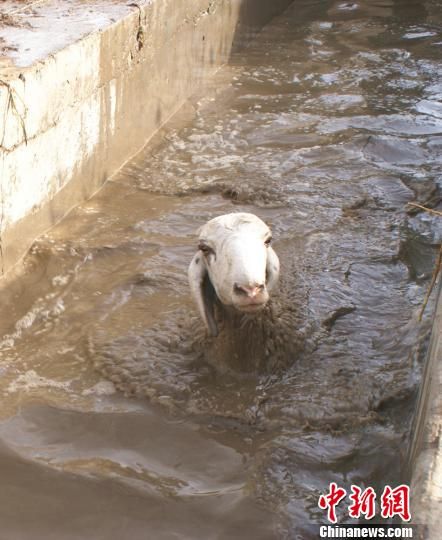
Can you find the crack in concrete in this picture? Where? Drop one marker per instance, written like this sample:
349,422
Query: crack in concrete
10,106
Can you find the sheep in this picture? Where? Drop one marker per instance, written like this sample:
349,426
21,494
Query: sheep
231,278
250,321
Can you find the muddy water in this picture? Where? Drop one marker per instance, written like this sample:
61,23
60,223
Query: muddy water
119,419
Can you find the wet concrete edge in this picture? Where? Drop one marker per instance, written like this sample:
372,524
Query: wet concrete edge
425,456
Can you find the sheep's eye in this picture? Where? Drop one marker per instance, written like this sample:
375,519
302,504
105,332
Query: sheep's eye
207,250
268,241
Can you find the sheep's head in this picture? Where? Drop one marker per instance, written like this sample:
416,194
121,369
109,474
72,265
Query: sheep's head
234,264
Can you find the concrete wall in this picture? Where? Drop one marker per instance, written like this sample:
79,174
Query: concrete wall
426,449
69,120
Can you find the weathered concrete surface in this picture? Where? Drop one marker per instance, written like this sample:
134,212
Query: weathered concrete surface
83,87
426,448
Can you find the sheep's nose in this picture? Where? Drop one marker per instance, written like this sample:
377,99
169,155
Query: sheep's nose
250,291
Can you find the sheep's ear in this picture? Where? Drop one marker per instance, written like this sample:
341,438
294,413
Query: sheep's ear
272,269
203,292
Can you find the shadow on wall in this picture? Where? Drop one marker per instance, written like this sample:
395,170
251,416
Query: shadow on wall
252,18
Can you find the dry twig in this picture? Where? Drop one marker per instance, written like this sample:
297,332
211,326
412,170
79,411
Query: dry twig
438,266
429,210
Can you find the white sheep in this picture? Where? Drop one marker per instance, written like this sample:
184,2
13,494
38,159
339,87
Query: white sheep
235,266
250,325
231,278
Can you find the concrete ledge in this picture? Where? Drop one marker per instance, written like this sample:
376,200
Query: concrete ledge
426,447
82,91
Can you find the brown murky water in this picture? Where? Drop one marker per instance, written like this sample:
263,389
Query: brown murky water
114,424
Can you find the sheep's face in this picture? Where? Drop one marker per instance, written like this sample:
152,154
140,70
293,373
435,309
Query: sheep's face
235,263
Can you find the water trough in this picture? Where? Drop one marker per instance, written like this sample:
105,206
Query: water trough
83,90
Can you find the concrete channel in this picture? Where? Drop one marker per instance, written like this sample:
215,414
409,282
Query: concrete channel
93,85
83,90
